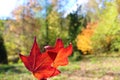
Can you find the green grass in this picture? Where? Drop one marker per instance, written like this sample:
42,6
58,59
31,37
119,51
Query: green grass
19,72
15,72
91,67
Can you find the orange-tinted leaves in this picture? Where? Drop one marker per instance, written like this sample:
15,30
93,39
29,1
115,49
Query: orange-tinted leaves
62,56
43,65
32,60
52,51
46,72
58,45
59,54
39,63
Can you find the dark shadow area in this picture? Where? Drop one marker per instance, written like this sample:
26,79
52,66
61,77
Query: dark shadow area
10,68
3,52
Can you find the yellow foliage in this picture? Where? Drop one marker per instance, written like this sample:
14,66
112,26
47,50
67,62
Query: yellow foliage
83,40
84,44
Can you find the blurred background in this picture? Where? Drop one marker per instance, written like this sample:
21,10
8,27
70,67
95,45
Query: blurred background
92,26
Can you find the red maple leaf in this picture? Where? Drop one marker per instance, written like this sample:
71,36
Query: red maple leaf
39,63
58,53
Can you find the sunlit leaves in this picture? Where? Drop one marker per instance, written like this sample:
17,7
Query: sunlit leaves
39,63
107,29
59,54
83,40
44,65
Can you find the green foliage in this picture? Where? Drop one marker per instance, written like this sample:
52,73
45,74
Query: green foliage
115,46
2,26
107,28
54,26
76,23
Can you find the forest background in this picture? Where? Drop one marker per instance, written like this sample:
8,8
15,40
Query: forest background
92,28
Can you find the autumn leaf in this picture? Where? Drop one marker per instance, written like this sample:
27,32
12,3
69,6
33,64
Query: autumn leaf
58,45
39,63
52,51
58,53
62,56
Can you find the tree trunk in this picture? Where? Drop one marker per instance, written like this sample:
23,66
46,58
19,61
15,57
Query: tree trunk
3,52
